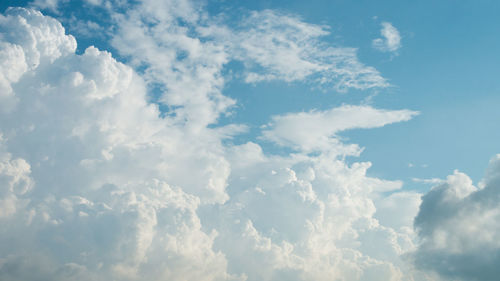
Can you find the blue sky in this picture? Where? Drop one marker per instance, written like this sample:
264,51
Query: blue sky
249,140
446,70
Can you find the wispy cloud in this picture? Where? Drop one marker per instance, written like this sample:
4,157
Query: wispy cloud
278,46
390,41
428,181
316,130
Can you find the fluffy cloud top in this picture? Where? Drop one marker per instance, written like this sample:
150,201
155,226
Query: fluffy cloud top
43,43
84,193
390,41
458,225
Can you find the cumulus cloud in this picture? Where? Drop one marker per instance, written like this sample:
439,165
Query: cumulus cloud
457,224
15,181
94,150
399,209
39,47
98,184
307,218
390,41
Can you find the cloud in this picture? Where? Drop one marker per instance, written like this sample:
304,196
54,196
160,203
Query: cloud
39,48
428,181
457,224
93,149
307,218
390,41
15,181
47,4
399,209
316,130
98,184
185,69
271,45
277,46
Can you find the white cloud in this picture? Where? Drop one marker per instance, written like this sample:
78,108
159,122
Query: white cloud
458,227
15,181
271,45
433,181
39,47
96,185
398,209
316,130
95,150
47,4
185,68
277,46
308,218
390,41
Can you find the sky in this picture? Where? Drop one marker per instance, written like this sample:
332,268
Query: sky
249,140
